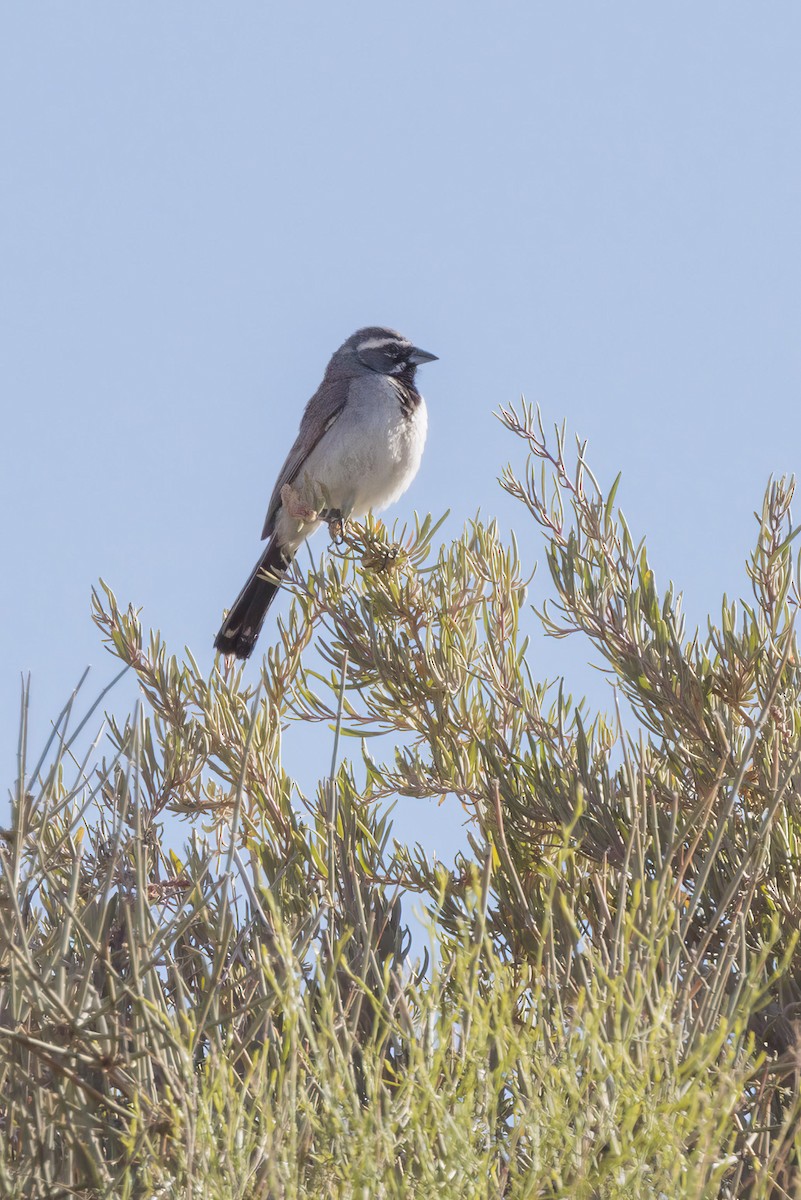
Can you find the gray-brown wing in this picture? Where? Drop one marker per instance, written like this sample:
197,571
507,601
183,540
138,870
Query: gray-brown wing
318,416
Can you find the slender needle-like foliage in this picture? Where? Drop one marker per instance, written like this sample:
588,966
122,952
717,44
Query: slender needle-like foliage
606,999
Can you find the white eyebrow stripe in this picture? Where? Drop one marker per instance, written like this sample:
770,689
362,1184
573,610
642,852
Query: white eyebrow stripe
377,343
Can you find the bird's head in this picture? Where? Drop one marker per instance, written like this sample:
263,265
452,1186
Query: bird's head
384,351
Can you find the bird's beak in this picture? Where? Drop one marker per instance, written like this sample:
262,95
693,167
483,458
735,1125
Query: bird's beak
420,356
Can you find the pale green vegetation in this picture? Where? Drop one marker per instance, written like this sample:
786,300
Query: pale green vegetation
611,1004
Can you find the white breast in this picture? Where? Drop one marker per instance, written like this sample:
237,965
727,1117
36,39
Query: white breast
372,451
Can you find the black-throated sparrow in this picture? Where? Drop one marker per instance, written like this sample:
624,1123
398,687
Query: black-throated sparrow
359,446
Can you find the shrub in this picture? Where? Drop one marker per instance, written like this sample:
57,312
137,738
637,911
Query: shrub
609,1007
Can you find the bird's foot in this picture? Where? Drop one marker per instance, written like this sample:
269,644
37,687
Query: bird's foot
336,528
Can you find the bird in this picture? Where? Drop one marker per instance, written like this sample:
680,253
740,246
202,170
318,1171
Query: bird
358,448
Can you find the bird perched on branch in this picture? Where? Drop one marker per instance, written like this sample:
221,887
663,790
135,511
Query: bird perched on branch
359,447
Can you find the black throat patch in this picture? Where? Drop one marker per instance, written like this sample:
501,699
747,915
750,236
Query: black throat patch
407,393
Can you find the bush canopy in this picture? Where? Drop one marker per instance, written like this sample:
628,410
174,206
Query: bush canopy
608,1004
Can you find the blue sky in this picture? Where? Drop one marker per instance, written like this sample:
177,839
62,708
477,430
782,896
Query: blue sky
594,205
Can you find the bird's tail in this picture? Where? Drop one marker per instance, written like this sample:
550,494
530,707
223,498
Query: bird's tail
242,626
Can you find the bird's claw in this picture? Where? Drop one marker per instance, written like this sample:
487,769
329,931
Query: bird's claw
336,528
